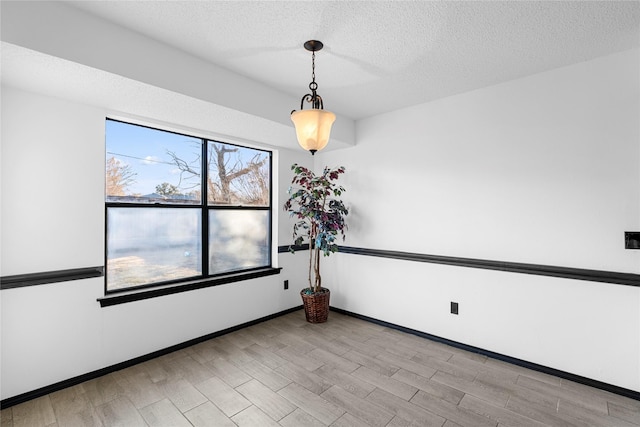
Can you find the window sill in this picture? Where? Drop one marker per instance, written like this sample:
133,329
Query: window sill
138,295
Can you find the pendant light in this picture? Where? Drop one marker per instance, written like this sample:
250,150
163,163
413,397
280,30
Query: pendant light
313,126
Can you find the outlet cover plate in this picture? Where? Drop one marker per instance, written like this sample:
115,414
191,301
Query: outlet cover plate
632,239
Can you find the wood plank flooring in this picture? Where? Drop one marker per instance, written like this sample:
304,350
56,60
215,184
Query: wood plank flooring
347,372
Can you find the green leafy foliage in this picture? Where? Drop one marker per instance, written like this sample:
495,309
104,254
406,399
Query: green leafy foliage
314,202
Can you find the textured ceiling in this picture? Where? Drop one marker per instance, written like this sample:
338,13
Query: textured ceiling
381,56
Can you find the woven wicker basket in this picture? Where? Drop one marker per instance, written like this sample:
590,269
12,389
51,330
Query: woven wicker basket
316,306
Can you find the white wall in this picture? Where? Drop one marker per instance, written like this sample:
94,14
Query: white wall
53,219
541,170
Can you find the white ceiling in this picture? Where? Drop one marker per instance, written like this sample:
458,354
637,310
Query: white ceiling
382,55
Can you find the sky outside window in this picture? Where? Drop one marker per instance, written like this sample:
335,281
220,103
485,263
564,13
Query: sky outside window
145,160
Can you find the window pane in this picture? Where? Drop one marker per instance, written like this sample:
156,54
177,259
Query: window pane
238,175
149,245
238,239
151,166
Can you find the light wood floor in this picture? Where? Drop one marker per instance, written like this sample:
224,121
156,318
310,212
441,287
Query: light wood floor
347,372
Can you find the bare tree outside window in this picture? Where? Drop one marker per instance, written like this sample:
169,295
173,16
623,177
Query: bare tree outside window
253,186
119,176
232,180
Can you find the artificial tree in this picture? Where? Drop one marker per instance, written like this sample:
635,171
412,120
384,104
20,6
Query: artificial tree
314,201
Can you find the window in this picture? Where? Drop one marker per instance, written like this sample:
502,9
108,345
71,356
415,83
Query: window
180,208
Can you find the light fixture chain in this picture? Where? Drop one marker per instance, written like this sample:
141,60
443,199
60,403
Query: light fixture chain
313,67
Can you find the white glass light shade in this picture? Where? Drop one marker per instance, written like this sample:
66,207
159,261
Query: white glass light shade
313,128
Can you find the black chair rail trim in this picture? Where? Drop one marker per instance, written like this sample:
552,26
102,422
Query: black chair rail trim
42,278
628,279
295,248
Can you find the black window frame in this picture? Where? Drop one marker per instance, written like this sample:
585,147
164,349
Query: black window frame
205,279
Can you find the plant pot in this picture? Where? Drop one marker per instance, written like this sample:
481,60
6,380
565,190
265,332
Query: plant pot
316,305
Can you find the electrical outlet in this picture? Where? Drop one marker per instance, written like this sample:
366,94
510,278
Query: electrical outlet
454,307
286,285
632,239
